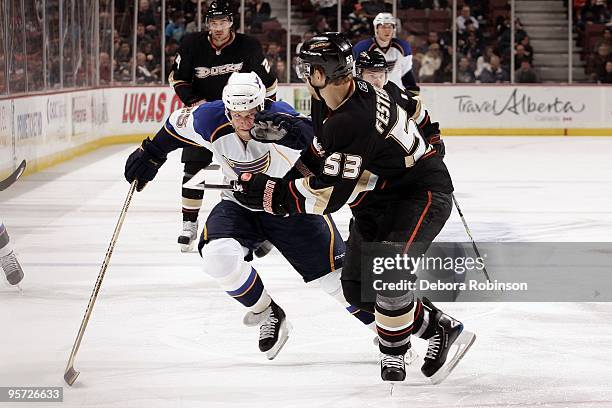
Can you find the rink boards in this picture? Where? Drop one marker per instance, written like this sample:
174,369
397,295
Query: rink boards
50,128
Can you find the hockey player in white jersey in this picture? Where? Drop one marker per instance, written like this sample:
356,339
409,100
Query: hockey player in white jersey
397,52
311,243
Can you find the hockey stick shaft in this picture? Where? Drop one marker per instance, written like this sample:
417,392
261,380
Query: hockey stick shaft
70,375
467,229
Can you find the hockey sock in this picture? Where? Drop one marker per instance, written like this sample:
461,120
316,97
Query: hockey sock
191,200
224,261
394,321
251,292
423,316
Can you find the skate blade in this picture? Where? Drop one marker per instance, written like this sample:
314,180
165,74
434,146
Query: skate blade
187,247
282,339
463,342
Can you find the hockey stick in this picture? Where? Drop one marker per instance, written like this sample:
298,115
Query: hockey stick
467,229
70,375
7,182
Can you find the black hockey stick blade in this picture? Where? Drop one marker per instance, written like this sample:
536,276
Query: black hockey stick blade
71,375
7,182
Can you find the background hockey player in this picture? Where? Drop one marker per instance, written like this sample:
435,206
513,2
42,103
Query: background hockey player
370,154
372,67
311,243
203,64
8,260
397,52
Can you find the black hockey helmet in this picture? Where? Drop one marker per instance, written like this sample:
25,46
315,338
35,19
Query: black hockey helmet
372,60
218,9
331,52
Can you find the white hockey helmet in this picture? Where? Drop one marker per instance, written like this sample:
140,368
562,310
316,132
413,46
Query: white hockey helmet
244,91
384,18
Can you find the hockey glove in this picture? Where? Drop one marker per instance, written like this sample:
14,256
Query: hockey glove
284,129
261,192
143,163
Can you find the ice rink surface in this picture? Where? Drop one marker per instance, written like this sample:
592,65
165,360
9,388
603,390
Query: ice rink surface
164,335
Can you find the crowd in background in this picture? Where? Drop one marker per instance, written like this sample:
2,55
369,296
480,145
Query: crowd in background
593,24
483,39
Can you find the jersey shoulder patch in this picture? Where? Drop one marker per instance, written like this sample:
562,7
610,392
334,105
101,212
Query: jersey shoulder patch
210,119
363,45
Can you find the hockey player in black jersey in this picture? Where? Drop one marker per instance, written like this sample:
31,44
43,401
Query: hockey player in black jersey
203,64
370,153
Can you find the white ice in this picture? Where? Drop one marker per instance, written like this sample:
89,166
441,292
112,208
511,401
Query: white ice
163,335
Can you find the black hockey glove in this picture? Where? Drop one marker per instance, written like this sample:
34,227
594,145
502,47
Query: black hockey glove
143,163
261,192
284,129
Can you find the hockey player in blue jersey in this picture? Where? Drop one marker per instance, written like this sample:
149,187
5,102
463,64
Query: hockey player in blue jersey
311,243
397,52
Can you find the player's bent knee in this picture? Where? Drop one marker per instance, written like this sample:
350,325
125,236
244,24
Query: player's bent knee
222,257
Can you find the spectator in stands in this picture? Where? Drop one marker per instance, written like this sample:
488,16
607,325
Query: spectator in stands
465,17
464,72
432,38
606,38
145,14
484,61
175,28
273,53
526,43
141,35
472,48
495,73
593,13
320,25
520,55
143,74
430,64
597,65
258,11
105,68
124,54
525,74
280,70
606,78
359,23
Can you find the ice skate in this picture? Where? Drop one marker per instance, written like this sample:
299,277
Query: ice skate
273,329
392,367
410,357
188,236
448,333
12,268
